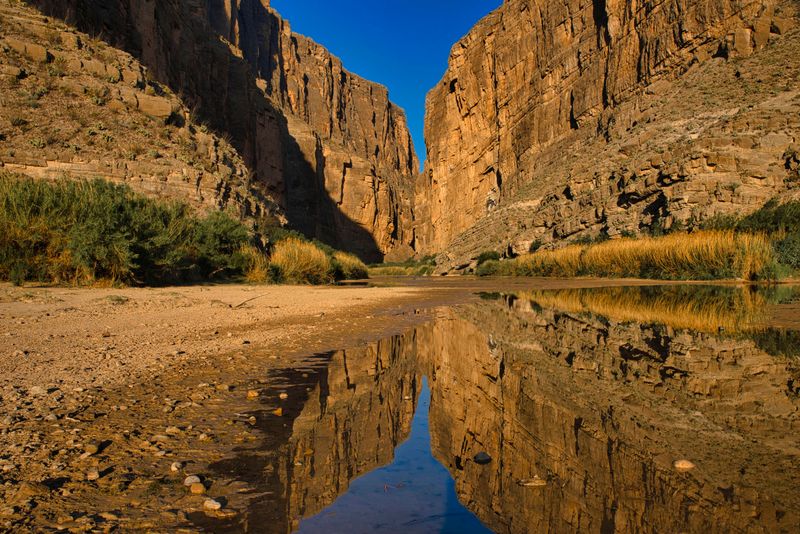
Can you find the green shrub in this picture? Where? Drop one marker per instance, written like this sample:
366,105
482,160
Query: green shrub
487,256
80,232
782,221
489,268
349,267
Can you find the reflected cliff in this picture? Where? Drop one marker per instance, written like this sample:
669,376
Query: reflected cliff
583,399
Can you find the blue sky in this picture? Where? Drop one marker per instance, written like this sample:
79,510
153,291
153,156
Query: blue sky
402,44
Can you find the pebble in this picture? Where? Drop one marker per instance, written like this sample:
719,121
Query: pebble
253,394
197,488
92,474
91,449
191,479
176,466
683,465
278,412
173,430
211,504
37,390
482,458
283,396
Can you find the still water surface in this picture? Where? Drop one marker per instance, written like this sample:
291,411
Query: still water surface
654,409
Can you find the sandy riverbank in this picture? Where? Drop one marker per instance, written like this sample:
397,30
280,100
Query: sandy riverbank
79,338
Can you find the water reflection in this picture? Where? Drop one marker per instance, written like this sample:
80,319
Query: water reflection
584,400
415,493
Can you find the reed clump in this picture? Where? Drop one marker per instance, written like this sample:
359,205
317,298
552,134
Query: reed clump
349,267
301,262
419,267
702,255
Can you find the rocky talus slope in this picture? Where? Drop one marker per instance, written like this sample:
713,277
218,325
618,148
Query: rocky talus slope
328,146
572,119
72,106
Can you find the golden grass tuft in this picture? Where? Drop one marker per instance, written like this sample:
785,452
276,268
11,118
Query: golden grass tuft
256,265
700,255
301,262
351,267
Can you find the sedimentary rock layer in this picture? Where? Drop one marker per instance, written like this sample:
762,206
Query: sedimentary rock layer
328,144
75,107
573,118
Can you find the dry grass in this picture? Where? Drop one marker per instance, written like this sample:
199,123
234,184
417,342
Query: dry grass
700,255
301,262
350,266
696,308
256,265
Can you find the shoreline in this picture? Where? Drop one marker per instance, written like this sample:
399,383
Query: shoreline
121,385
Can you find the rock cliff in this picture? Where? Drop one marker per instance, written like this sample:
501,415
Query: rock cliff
74,106
578,118
328,145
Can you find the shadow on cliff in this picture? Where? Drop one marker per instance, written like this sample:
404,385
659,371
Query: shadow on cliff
179,46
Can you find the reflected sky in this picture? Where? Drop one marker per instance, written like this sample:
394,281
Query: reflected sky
414,494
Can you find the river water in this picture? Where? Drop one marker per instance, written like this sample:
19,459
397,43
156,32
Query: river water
642,409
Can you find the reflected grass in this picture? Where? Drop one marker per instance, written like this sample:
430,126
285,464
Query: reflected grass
700,308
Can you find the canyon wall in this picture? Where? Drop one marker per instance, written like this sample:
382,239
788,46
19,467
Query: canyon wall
328,145
580,118
76,107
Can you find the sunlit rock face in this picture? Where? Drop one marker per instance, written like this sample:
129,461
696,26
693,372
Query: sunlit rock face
329,144
572,118
601,411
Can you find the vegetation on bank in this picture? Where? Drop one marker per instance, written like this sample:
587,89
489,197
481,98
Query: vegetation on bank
703,255
422,267
780,221
96,231
762,246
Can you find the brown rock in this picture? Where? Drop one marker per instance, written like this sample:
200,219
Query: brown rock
545,125
329,145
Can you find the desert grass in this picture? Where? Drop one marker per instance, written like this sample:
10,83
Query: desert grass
349,266
702,255
256,265
702,309
301,262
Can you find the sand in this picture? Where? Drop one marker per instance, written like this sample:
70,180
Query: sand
80,338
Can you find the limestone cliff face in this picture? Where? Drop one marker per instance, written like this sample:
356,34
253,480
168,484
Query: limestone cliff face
576,117
328,144
95,112
349,145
